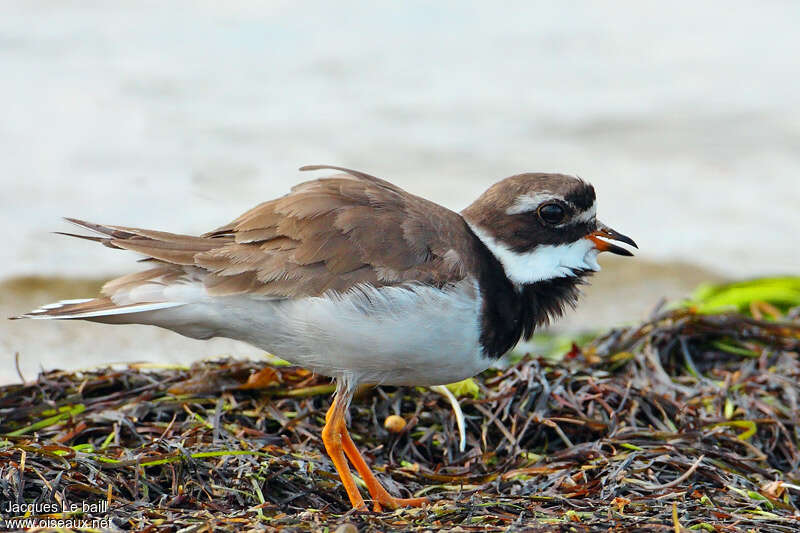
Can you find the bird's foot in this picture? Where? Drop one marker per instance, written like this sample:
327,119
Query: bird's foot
390,502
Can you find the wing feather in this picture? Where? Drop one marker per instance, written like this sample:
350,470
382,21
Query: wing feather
329,234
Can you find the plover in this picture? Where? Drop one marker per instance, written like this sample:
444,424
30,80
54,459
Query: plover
356,279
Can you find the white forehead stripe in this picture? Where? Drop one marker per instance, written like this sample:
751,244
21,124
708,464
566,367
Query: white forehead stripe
546,261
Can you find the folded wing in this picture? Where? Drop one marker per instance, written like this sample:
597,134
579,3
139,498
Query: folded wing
330,234
335,233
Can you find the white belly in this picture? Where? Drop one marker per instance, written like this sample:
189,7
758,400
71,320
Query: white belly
416,335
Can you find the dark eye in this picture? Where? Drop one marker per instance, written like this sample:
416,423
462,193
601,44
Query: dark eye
551,213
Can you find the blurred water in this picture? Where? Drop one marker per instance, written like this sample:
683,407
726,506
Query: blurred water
180,115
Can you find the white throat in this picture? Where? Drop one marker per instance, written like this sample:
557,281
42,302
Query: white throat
546,261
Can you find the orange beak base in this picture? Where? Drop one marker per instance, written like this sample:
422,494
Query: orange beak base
604,232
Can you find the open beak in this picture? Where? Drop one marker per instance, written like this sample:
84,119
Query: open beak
604,232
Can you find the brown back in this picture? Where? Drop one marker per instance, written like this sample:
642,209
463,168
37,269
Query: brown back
329,234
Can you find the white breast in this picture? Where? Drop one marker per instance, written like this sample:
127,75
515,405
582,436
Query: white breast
411,335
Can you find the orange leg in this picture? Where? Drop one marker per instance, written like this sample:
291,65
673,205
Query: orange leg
380,496
338,443
332,438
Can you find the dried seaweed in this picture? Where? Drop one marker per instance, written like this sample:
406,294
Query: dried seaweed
685,422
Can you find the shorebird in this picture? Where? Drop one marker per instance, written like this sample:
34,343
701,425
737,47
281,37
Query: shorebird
357,279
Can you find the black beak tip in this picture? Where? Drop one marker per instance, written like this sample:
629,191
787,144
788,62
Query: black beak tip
624,238
610,234
618,250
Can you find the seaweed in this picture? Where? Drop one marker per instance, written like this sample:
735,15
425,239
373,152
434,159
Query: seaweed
687,421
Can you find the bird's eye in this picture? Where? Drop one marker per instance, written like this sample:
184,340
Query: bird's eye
551,213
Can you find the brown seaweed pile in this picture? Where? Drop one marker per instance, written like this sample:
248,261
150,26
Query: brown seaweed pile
685,422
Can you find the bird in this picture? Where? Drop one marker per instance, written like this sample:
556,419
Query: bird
354,278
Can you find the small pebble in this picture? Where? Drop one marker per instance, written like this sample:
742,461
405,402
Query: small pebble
346,528
394,423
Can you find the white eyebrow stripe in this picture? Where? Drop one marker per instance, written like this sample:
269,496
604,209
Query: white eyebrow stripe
587,216
530,202
527,203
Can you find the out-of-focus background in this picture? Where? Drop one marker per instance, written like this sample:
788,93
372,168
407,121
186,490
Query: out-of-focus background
180,115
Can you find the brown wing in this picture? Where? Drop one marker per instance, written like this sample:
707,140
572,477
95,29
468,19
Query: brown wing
327,234
334,233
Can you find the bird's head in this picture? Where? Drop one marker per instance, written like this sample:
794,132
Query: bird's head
543,226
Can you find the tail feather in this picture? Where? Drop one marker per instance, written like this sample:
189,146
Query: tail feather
102,240
91,308
140,297
115,232
171,248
